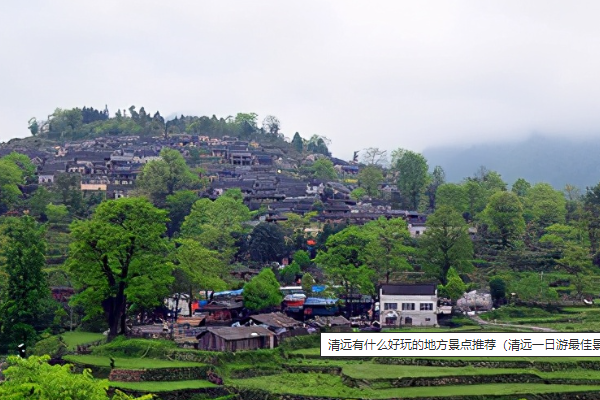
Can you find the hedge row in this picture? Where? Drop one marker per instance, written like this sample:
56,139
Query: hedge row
158,374
539,365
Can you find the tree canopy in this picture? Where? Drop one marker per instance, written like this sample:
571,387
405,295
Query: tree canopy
262,292
118,257
412,175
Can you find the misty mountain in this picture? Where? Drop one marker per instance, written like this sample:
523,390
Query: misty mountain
557,161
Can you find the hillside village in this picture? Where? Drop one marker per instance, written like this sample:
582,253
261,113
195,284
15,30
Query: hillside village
230,238
266,175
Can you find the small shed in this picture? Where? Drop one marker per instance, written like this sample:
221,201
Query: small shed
236,339
275,321
331,324
280,324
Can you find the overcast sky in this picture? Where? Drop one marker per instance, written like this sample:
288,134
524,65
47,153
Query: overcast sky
382,74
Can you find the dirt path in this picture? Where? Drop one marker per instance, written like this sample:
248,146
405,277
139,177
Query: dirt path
533,328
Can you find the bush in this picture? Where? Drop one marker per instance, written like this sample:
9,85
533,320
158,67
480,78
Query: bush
52,346
300,342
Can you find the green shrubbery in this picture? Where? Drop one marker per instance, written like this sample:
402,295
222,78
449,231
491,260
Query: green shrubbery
54,346
123,347
300,342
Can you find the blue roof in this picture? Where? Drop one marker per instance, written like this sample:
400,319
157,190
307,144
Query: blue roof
315,301
229,293
318,288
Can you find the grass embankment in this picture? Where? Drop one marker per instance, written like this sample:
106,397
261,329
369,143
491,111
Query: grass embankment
74,339
371,371
323,385
157,387
316,351
129,363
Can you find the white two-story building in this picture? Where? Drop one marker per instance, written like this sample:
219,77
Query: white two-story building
408,304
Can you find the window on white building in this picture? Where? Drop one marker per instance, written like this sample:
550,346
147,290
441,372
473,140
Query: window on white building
408,306
390,306
426,306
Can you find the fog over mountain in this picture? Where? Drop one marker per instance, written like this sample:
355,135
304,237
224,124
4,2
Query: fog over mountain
540,158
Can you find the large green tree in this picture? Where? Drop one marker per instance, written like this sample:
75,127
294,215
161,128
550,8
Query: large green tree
544,206
197,268
15,169
119,257
262,292
447,243
452,195
387,251
179,205
412,175
323,169
344,262
436,179
267,243
521,187
218,224
22,260
161,178
504,217
369,178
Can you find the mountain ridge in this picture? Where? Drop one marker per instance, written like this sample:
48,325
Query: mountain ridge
554,160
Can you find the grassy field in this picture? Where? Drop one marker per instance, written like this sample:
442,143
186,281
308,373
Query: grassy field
157,387
381,371
310,384
129,363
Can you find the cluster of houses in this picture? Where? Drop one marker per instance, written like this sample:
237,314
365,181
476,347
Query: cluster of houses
265,174
223,324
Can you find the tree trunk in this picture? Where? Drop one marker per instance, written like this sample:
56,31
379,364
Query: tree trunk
191,294
113,318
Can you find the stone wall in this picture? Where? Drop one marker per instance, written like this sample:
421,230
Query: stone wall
184,394
158,374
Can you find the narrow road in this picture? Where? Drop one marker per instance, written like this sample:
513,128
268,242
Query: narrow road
533,328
